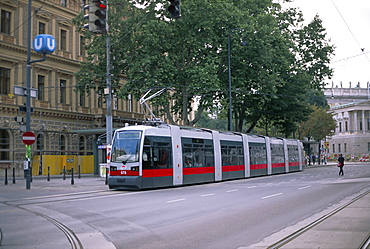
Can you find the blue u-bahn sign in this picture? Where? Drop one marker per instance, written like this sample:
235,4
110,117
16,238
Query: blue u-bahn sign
44,44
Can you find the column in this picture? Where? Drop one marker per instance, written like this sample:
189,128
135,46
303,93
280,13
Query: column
363,122
355,129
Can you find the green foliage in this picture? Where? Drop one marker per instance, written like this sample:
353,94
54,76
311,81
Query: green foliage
320,124
205,121
271,76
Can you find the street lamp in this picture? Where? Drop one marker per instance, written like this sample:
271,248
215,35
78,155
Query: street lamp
229,76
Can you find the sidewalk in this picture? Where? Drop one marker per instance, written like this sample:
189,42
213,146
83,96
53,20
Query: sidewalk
56,185
348,228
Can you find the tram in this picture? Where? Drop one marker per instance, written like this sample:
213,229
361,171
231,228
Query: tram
156,156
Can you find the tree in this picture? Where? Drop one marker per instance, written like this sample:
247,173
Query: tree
189,55
320,124
297,60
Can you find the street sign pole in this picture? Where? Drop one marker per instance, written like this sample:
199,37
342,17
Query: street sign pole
28,86
28,138
44,44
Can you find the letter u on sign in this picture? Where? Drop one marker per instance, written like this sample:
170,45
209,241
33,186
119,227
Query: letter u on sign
44,44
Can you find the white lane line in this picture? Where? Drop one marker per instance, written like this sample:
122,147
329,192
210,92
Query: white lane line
252,187
60,195
207,195
304,187
269,196
182,199
232,190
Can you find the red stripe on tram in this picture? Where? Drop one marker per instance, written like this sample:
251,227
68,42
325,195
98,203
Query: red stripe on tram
157,172
198,170
259,166
293,164
228,168
278,165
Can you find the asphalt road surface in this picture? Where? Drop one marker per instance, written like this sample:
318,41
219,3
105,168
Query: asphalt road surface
228,214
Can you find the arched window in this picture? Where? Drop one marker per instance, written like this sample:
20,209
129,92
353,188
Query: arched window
4,145
40,142
81,145
62,143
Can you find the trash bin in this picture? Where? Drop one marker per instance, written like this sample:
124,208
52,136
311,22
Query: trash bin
103,169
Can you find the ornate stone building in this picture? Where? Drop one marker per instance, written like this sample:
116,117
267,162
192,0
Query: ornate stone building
66,123
351,110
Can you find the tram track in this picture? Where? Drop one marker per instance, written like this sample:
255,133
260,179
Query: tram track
72,238
296,234
58,198
31,205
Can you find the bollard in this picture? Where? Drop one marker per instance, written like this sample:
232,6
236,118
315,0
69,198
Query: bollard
79,172
6,176
64,173
48,173
72,179
106,177
13,175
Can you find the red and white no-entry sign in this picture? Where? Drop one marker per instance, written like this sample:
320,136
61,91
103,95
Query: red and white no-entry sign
28,138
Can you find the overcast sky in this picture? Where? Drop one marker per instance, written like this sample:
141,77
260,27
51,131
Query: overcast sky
348,27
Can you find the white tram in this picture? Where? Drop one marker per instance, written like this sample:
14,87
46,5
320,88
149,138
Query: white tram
145,156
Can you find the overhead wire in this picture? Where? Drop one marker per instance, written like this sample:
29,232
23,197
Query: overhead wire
354,37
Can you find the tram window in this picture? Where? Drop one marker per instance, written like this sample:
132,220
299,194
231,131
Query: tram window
232,153
277,153
126,147
257,153
292,153
197,152
157,153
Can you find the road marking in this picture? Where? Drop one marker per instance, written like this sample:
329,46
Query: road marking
232,190
182,199
61,195
252,187
207,195
269,196
304,187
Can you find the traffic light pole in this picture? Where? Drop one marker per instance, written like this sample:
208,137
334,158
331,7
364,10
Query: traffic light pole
109,122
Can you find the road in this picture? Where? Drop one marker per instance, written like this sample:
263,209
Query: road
230,214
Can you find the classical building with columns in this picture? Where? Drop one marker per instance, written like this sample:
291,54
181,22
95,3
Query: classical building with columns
351,110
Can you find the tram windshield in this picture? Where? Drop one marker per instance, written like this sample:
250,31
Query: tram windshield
126,147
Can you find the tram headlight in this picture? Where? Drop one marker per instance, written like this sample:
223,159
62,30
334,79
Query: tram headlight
135,168
113,168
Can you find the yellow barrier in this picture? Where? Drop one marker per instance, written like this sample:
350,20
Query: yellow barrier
57,163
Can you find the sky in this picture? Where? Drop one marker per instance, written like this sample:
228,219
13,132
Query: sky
347,23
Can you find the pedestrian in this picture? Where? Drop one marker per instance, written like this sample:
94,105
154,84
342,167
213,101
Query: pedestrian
313,159
341,164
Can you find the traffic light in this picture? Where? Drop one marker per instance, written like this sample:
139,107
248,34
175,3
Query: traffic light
97,16
174,8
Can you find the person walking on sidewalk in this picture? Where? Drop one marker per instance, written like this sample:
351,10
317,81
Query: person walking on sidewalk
341,164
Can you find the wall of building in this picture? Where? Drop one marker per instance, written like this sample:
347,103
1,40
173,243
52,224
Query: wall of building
58,111
351,110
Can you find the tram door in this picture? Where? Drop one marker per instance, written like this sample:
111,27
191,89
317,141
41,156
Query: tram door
157,162
258,159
